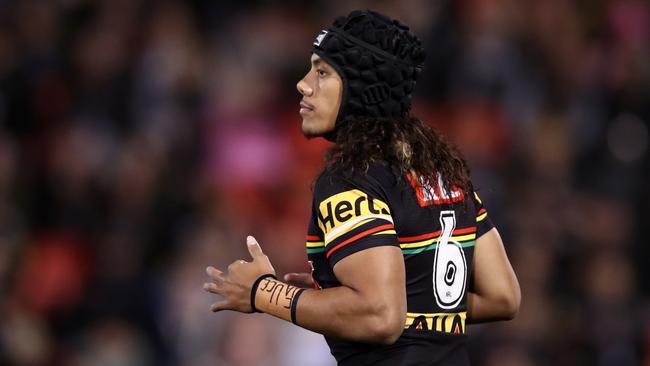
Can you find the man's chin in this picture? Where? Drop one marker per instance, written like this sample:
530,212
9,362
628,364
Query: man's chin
310,133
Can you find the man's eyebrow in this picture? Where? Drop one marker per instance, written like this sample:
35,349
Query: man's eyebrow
317,62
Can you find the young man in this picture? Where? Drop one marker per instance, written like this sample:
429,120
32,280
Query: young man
403,253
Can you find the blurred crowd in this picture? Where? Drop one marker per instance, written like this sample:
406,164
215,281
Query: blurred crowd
142,140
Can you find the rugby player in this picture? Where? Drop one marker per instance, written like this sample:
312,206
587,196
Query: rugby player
403,252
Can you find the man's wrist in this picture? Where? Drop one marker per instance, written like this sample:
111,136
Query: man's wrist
294,305
276,298
255,286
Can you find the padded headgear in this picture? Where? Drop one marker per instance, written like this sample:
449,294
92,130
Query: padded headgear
379,61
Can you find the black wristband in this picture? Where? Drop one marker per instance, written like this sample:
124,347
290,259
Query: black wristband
294,305
254,289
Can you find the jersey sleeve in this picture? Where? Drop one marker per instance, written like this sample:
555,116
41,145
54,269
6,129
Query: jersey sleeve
483,222
352,215
315,238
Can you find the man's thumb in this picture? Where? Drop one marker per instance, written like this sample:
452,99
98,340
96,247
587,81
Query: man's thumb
254,247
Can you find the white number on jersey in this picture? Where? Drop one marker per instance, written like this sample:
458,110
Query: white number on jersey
449,265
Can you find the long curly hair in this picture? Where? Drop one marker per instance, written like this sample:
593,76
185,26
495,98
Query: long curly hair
409,145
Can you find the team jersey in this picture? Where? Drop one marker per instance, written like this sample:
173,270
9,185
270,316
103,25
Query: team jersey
436,231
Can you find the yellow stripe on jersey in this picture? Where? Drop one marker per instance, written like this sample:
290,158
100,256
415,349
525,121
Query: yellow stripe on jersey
315,244
439,322
481,217
346,228
424,243
385,232
418,244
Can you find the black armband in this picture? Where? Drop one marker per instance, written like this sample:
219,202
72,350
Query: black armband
294,305
254,289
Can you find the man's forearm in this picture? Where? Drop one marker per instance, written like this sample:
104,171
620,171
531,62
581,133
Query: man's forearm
275,297
482,309
340,312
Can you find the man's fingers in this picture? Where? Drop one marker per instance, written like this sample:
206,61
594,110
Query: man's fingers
253,247
214,273
301,277
220,305
298,279
212,287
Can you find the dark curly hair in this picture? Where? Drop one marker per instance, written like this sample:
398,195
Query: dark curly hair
409,145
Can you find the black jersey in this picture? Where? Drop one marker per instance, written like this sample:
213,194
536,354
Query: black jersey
435,229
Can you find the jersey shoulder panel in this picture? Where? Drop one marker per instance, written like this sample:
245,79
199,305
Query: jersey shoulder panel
353,212
483,222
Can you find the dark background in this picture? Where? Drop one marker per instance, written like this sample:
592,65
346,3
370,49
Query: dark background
143,140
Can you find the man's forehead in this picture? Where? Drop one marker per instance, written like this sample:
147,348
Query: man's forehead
318,61
315,59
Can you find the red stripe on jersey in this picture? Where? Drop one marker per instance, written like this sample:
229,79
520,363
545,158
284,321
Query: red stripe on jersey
313,238
359,236
434,234
465,230
419,237
481,211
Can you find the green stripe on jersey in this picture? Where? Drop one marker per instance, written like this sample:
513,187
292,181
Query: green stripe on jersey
315,250
434,246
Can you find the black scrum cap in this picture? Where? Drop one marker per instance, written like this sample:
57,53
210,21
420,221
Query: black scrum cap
378,59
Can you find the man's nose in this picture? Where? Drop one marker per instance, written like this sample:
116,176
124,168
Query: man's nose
303,88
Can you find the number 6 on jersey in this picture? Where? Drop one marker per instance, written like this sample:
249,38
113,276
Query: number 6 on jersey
449,265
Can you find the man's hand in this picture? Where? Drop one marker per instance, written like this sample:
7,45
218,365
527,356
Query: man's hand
235,285
302,280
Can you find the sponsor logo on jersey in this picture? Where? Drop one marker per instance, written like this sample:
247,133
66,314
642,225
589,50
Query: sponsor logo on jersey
438,322
348,209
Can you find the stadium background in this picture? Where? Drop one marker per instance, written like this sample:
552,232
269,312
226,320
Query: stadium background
142,140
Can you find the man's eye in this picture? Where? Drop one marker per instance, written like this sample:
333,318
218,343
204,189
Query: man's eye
321,72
